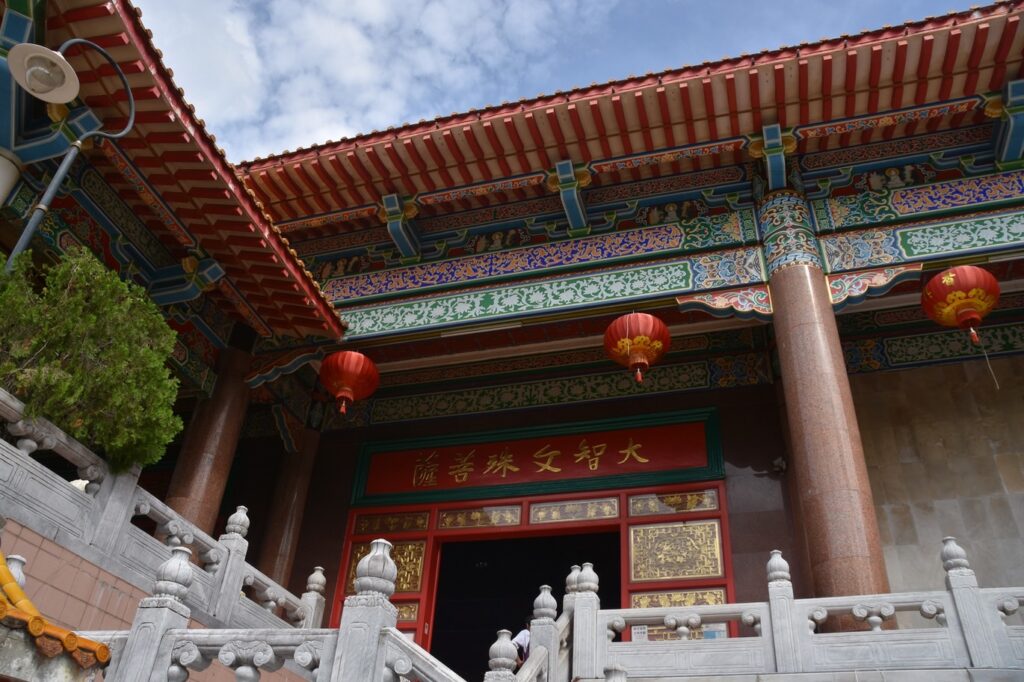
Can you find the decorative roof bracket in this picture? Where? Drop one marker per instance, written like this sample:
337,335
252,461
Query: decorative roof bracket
568,181
398,215
773,147
185,282
1009,137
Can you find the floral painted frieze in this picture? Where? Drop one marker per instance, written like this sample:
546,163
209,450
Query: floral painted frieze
851,286
891,149
741,370
868,208
700,232
867,355
878,247
533,297
727,268
744,302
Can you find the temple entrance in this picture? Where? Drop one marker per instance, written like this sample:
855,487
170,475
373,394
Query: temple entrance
484,586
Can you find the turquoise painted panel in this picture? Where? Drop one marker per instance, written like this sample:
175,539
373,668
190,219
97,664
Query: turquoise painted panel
871,208
703,232
729,268
875,247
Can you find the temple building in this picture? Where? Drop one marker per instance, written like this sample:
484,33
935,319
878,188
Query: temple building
779,212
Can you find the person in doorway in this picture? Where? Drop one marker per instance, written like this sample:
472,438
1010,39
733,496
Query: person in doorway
522,642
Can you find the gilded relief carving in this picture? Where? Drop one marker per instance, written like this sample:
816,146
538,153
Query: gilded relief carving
380,523
583,510
675,551
480,517
673,503
408,557
655,600
651,633
408,611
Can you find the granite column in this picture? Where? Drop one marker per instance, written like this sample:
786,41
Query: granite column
827,457
197,485
277,549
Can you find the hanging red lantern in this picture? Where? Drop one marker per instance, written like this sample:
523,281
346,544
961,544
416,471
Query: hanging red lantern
349,376
637,341
961,297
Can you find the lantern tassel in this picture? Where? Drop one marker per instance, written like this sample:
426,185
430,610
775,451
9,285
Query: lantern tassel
989,365
639,376
974,337
343,408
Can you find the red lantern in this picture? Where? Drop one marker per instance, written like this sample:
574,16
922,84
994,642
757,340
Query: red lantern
960,297
349,376
637,341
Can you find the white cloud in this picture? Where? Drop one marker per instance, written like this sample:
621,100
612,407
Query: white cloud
277,75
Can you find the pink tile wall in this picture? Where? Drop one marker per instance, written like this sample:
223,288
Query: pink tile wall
74,593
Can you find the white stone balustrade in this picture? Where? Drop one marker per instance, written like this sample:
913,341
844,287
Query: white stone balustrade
778,637
96,524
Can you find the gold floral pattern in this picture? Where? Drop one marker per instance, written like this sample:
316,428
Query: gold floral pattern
644,600
675,551
673,503
581,510
408,557
408,611
480,517
380,523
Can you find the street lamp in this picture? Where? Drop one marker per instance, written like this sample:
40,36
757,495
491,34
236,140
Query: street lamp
47,75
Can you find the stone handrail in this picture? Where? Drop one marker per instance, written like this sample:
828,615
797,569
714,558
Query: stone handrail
535,668
406,658
788,634
94,521
780,636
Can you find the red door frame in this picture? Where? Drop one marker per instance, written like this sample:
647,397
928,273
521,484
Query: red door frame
434,538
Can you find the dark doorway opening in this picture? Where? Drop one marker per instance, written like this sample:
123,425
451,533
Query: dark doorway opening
490,585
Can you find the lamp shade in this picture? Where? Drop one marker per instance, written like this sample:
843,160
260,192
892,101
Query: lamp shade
43,73
637,341
349,376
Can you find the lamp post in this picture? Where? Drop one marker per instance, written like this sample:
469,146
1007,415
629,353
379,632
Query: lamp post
47,75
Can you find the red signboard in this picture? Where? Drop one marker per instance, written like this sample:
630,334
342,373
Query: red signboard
531,460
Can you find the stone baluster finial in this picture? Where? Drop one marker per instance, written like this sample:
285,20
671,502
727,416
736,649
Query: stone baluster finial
376,572
16,564
503,652
238,523
588,580
174,576
953,556
778,568
316,582
545,606
572,579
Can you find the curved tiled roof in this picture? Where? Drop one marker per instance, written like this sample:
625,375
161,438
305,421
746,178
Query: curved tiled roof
711,111
18,610
171,173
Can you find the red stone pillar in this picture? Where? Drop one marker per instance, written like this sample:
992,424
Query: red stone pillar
208,450
827,458
277,550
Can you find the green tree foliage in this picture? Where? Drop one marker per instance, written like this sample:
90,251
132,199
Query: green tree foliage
89,352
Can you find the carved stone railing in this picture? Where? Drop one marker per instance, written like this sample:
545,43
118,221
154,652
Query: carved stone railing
785,635
94,519
969,629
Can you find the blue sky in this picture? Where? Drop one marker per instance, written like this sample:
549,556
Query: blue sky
269,76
